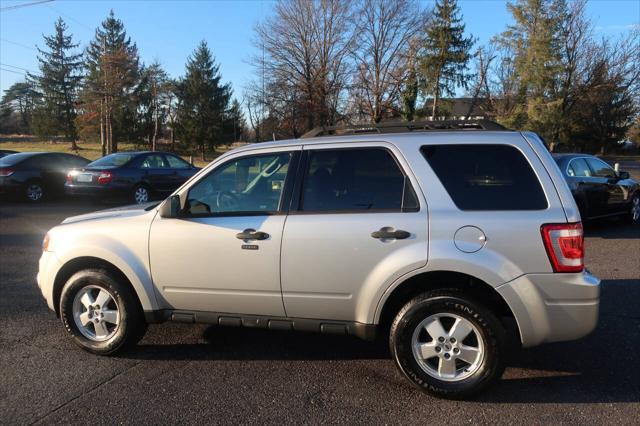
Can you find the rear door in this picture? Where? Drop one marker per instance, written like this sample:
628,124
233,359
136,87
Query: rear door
355,222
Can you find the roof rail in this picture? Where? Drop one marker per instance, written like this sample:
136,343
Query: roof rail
403,126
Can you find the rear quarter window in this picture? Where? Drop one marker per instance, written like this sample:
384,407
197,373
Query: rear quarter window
486,177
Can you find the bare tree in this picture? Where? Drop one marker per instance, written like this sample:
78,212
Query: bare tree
479,88
384,31
303,63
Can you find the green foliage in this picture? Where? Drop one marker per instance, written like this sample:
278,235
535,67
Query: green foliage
58,85
204,101
446,53
17,106
108,99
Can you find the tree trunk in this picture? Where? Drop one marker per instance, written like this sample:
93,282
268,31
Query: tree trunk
102,140
202,151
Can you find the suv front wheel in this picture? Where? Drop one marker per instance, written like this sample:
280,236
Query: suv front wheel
101,314
447,344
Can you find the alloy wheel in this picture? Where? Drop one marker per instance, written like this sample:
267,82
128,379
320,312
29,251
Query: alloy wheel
448,347
141,195
34,192
96,313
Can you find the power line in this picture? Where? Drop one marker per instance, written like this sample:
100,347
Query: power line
71,18
18,44
16,67
18,6
15,72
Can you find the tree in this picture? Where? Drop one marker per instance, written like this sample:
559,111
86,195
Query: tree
18,101
58,84
382,54
446,53
235,124
204,100
303,66
108,102
154,98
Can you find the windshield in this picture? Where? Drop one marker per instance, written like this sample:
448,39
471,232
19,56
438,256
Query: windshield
13,159
112,160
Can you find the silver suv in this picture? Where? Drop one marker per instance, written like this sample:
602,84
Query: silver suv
451,243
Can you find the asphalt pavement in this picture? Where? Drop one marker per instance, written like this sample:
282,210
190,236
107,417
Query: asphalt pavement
205,374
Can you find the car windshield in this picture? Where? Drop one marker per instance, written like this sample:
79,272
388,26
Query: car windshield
112,160
13,159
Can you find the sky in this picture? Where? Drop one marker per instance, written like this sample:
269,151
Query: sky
169,30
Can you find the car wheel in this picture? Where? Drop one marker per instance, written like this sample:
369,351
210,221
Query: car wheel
141,194
634,213
34,191
102,314
447,344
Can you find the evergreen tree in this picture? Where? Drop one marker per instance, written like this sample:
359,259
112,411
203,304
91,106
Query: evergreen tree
109,104
204,100
235,124
18,101
533,43
58,85
446,53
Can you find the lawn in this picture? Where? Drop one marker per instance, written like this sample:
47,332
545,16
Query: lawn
89,150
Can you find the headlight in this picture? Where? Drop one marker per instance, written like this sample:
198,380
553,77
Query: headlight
45,243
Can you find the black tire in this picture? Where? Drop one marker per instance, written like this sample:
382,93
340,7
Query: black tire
137,189
131,325
449,301
34,191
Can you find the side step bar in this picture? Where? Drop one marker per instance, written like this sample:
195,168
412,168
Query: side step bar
363,331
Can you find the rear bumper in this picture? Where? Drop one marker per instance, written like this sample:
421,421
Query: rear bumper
553,307
94,191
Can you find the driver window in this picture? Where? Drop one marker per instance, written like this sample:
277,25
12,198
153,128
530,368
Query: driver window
247,185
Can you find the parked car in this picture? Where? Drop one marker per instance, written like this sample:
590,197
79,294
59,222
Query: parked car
5,152
600,190
448,242
136,176
36,176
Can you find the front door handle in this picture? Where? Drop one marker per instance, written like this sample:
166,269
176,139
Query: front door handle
387,233
252,234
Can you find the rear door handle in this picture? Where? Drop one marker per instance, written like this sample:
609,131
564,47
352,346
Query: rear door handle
252,234
386,233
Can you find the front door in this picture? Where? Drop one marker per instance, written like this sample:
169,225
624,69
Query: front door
357,225
223,255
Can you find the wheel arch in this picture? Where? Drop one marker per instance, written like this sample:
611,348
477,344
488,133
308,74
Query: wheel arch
79,264
478,289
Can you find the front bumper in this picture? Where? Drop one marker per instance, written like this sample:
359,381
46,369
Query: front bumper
48,267
553,307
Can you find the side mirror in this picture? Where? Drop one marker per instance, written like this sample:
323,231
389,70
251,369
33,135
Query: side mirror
623,175
171,208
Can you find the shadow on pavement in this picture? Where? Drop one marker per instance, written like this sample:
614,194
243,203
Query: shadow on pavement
596,369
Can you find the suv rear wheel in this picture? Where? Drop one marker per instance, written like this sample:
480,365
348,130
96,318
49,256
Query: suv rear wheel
101,314
447,344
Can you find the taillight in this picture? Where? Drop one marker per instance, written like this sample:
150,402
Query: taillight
565,246
6,172
105,177
70,176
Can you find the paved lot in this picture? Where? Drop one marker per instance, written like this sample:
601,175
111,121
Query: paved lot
198,374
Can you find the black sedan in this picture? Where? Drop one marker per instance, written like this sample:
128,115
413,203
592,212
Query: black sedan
598,189
136,176
36,175
5,152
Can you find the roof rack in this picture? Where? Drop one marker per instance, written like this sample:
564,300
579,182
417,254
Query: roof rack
403,126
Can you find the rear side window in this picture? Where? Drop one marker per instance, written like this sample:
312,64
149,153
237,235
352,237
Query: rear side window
579,168
352,180
486,177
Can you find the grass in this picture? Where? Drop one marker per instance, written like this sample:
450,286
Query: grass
90,150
